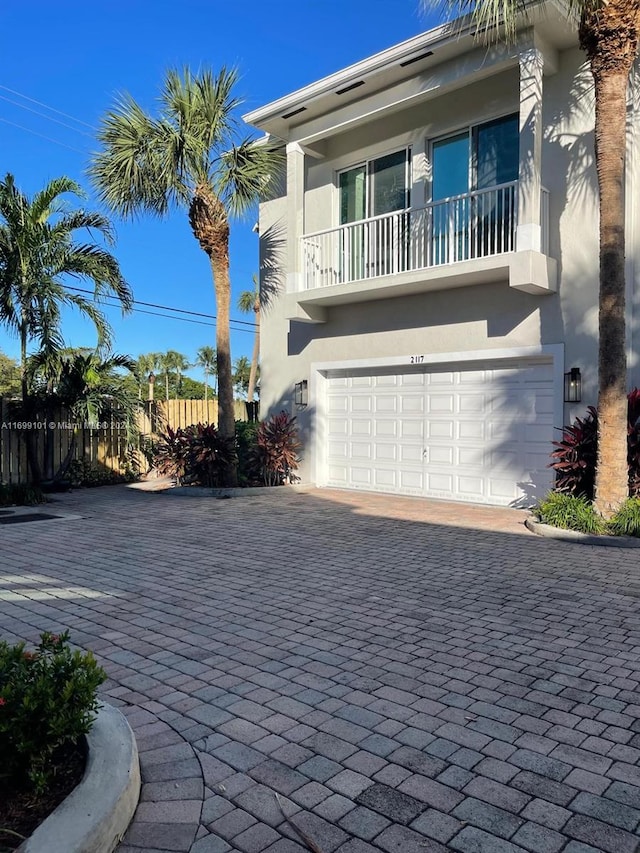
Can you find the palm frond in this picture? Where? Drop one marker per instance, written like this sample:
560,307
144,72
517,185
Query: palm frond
247,172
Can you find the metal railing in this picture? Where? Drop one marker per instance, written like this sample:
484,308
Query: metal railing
474,225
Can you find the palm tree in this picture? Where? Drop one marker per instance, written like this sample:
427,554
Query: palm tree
145,364
206,359
90,388
241,374
179,363
249,300
39,250
189,156
608,33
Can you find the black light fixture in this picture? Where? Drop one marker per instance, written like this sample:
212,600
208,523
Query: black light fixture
573,386
152,382
301,394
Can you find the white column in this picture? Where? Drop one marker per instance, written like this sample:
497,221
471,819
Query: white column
295,215
531,61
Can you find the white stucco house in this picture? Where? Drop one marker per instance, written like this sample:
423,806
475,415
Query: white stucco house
432,264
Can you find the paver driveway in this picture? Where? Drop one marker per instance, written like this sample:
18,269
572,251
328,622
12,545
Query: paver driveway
403,683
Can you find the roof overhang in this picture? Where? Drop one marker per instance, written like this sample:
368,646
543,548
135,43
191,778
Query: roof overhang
400,62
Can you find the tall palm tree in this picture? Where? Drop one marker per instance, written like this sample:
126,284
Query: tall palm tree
145,364
90,388
38,249
249,300
44,242
241,374
189,156
179,363
206,359
608,32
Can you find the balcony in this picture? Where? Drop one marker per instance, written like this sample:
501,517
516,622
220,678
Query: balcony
456,242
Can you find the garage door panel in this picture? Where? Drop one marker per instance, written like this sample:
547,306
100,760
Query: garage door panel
361,427
362,403
385,428
440,429
385,404
386,452
487,432
385,478
338,426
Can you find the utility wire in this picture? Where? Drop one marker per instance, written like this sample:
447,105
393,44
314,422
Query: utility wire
167,307
182,319
42,136
45,116
47,107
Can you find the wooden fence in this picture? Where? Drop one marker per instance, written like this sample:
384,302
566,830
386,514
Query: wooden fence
102,445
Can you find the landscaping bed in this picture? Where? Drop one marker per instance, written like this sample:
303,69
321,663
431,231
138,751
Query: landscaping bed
23,810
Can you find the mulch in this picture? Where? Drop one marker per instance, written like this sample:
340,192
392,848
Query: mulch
21,811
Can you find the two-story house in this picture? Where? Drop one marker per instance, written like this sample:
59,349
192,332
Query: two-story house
431,267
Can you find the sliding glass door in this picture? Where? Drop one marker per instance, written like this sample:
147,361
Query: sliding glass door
473,212
374,247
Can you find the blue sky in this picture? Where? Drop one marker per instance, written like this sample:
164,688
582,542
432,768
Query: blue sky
76,55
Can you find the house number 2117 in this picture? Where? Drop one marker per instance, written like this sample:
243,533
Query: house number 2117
416,359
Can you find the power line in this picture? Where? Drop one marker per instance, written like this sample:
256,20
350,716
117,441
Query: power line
45,116
47,107
182,319
168,308
42,136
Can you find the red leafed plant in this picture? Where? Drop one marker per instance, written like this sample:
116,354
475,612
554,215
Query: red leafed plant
197,453
277,447
575,456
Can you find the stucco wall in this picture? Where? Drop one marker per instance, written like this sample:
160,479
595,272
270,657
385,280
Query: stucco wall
479,317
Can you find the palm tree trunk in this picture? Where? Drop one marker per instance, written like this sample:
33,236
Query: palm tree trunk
226,420
166,386
612,479
254,358
30,435
206,385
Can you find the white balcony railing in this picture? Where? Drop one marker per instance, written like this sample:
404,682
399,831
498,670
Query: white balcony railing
474,225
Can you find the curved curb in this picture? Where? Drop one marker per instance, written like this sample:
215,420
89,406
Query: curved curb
96,814
578,538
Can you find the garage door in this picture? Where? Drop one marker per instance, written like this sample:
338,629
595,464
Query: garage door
480,434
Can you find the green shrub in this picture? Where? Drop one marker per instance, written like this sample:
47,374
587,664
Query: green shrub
626,522
82,473
247,442
570,512
20,494
48,700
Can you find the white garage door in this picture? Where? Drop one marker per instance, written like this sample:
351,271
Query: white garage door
482,435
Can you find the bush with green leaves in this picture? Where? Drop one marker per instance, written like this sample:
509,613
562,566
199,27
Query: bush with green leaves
570,512
626,521
246,443
20,494
48,701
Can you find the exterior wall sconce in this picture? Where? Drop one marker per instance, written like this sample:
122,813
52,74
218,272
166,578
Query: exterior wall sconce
573,386
301,394
152,382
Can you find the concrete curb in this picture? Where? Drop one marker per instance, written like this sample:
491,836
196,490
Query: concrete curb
95,816
576,537
252,492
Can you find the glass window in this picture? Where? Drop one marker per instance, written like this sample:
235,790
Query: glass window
352,195
389,189
450,163
496,152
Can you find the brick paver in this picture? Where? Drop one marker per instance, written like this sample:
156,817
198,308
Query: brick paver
404,675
